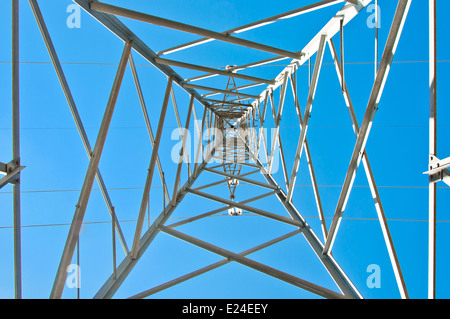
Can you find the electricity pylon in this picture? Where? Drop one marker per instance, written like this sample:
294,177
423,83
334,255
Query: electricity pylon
232,144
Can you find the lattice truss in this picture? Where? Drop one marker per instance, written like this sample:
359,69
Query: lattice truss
233,142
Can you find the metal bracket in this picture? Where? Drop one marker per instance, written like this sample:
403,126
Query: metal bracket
11,171
438,170
436,165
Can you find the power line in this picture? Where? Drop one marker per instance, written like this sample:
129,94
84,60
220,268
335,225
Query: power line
222,215
211,66
174,127
243,183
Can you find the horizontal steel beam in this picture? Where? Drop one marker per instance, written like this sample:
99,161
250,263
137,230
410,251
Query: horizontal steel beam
241,179
211,70
248,208
226,103
241,67
143,17
219,210
206,88
241,87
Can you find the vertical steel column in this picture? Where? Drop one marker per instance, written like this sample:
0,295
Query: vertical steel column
16,149
377,21
342,56
433,152
81,206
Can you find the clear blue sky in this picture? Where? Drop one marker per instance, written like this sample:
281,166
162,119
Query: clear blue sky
56,161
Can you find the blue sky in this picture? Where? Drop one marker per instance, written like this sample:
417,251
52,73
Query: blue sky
56,161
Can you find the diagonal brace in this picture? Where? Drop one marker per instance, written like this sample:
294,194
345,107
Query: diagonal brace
372,107
80,211
321,291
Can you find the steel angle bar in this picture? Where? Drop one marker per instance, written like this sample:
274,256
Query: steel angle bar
321,291
147,122
241,178
15,56
240,68
383,72
200,139
148,181
210,267
11,177
347,13
182,151
205,88
3,168
211,70
219,210
372,185
81,206
241,87
74,111
436,165
143,17
277,119
377,12
217,103
247,208
262,118
249,165
309,159
180,129
432,198
257,24
212,184
224,180
311,95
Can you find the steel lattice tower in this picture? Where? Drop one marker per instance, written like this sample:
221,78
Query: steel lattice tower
232,144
